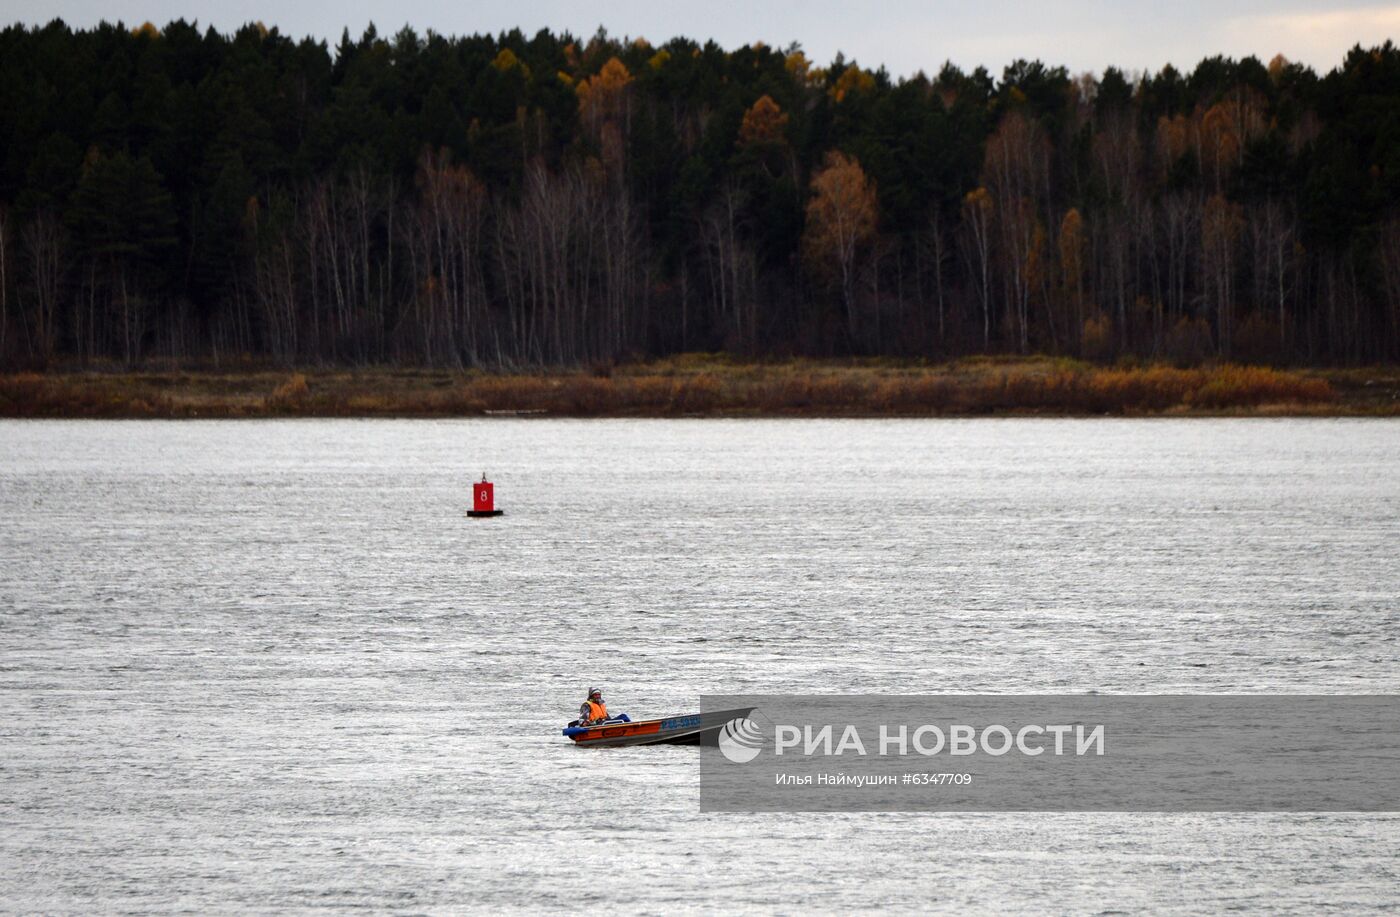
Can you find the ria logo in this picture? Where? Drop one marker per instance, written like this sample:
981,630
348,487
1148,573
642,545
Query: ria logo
740,740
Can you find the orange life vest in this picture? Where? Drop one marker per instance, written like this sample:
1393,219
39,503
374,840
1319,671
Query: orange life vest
597,711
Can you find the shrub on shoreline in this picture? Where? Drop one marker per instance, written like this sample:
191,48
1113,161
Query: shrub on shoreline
690,387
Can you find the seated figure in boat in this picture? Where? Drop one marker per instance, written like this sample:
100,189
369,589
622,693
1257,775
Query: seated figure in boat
593,709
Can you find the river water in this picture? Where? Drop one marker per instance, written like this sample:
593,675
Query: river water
263,665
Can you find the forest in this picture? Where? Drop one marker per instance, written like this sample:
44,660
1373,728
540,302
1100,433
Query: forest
510,202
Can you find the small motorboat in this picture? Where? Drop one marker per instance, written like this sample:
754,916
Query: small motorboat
690,729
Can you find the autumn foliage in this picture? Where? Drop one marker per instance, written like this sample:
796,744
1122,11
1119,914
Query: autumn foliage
763,123
841,220
513,203
690,385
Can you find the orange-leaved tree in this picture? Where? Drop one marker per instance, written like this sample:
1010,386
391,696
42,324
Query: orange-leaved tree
841,218
763,123
605,111
763,137
1072,245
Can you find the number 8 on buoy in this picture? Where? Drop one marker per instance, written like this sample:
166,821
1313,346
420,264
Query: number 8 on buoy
484,500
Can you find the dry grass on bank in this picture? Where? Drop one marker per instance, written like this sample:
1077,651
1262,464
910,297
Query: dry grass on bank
706,385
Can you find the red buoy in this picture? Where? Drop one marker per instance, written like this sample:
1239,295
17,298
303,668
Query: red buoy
483,499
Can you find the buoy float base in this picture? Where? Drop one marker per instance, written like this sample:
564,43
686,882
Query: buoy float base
480,513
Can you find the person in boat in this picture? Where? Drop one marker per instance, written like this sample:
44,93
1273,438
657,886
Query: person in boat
593,709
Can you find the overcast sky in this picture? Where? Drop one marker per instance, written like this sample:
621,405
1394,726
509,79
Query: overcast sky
903,35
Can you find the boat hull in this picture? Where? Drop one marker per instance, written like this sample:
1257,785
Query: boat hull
688,729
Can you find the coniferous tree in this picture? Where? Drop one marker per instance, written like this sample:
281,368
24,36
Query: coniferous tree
513,200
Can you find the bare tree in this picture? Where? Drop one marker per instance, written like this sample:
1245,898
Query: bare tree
44,243
1273,231
1118,161
1220,232
730,267
1390,270
4,279
1016,172
937,248
978,221
274,285
445,245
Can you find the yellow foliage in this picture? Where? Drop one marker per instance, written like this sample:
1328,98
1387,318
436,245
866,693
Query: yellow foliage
659,59
1234,386
979,199
1175,136
853,79
506,61
600,96
439,178
1218,135
614,73
797,66
764,123
565,78
148,30
842,213
289,394
1227,127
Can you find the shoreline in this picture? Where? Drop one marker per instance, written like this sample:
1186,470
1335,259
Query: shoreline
715,386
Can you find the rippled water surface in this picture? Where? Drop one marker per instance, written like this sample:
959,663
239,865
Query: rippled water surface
259,665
